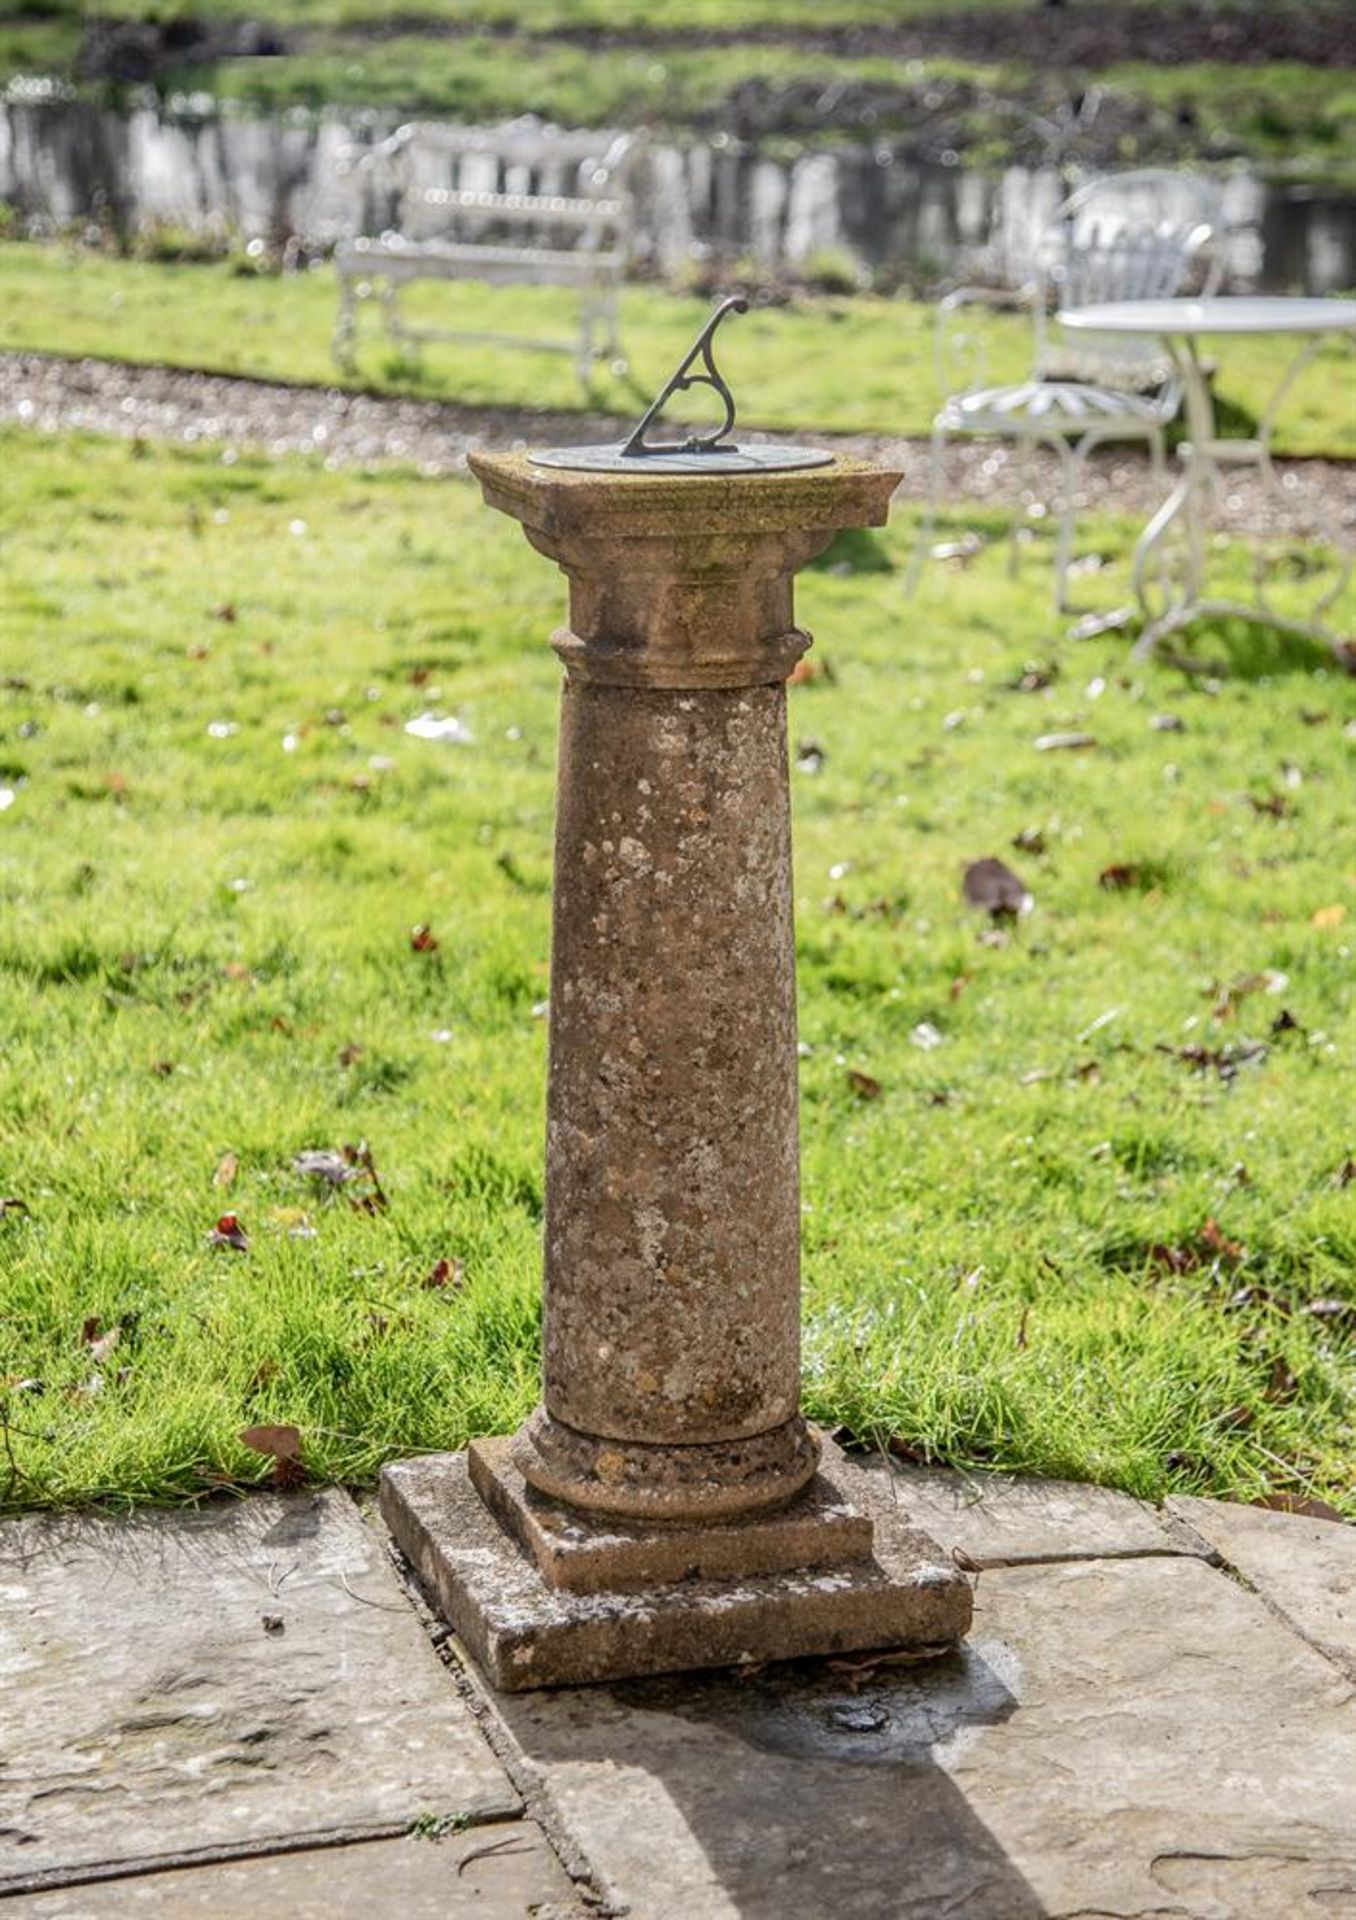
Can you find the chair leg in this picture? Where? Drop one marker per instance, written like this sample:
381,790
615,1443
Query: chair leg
928,524
345,327
1070,462
1022,451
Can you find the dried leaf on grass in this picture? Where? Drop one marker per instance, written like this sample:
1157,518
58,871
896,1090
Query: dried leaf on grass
228,1232
1225,1060
1334,1313
226,1169
322,1163
1282,1385
863,1085
992,886
1209,1247
99,1339
1065,742
282,1445
445,1275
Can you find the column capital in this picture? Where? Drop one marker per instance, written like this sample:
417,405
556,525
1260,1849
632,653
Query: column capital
683,581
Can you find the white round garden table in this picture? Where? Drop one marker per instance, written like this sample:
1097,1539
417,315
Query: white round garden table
1170,556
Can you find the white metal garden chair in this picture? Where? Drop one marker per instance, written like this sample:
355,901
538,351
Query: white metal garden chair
1139,235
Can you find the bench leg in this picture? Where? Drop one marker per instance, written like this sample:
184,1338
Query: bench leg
345,327
588,313
405,339
612,321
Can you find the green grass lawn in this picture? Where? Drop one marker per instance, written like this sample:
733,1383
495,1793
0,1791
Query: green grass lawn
868,361
1049,1242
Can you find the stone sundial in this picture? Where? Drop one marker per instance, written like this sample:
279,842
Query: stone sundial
666,1505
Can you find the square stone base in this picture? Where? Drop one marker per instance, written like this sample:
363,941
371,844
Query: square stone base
817,1529
525,1633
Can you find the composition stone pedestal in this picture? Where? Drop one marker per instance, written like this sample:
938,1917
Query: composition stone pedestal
666,1506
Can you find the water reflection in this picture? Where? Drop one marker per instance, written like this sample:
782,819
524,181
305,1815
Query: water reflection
219,173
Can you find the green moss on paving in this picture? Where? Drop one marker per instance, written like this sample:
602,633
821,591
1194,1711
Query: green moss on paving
205,949
858,364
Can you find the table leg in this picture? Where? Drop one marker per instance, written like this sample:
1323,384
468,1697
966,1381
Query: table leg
1169,561
1173,544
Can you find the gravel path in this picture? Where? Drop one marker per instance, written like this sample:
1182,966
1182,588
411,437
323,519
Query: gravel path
166,403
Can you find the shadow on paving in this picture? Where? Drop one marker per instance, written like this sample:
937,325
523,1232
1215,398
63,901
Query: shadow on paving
804,1796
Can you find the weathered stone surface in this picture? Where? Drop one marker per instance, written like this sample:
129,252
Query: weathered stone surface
524,1633
501,1872
684,582
819,1528
672,1295
151,1713
672,1195
1118,1738
998,1520
1304,1568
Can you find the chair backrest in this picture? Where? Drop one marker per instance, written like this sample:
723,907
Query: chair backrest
1140,235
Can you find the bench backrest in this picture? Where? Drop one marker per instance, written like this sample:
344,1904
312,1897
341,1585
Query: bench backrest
431,179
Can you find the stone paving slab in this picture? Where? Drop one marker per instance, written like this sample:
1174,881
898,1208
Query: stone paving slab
239,1677
1304,1568
996,1520
501,1872
1120,1737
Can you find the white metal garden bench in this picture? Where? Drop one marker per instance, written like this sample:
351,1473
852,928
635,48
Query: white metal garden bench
521,204
1139,235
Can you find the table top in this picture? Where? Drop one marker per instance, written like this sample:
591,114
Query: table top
1232,314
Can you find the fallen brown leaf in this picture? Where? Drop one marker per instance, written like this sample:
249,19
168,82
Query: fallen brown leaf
423,939
99,1340
1225,1061
445,1275
1275,806
226,1169
282,1445
1302,1503
996,889
1333,1313
1217,1243
863,1085
1282,1386
228,1232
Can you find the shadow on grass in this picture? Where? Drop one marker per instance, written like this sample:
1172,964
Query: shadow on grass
1239,647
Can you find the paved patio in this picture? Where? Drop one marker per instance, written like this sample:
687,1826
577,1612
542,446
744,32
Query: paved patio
244,1710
